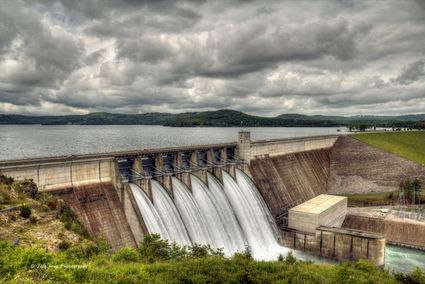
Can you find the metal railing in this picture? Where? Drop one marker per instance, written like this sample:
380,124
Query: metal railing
194,167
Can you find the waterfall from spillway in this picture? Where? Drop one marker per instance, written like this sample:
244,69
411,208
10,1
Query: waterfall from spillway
151,217
252,216
169,215
227,215
194,220
222,237
245,182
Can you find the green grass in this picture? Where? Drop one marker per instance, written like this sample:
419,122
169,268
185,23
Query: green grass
35,265
409,145
372,199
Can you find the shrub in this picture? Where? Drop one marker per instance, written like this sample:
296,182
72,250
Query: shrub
198,251
245,255
68,217
280,258
177,252
34,257
85,250
64,245
68,225
52,204
365,265
25,211
152,248
12,217
416,276
126,254
290,258
4,197
6,180
33,220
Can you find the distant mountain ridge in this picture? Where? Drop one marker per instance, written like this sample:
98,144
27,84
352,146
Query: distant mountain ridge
224,117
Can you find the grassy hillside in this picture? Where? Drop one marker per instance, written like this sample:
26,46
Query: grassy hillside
409,145
37,219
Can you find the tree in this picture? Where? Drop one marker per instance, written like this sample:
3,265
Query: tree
408,188
415,186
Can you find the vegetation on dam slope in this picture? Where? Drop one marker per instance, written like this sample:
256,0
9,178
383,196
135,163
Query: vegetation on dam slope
409,145
156,261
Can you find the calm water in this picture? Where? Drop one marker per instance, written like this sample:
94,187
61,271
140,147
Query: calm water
28,141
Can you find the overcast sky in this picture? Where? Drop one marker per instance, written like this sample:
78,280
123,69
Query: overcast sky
260,57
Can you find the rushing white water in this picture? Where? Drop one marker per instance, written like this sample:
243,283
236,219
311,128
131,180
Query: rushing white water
195,222
227,215
169,215
246,184
151,217
221,237
253,218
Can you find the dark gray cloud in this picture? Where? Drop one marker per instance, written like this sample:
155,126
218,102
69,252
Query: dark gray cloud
263,57
413,72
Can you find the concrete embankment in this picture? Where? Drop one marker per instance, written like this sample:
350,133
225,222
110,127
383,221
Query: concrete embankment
360,168
337,243
99,208
288,180
401,232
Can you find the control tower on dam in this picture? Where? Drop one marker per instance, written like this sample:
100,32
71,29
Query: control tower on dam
181,192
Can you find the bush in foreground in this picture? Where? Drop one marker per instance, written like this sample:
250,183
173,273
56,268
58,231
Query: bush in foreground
169,263
25,211
126,254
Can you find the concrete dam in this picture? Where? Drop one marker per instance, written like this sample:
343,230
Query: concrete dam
230,196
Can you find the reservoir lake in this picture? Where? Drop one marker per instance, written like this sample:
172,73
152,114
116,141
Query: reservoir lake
30,141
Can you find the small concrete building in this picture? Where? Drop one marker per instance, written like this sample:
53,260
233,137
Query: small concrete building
322,210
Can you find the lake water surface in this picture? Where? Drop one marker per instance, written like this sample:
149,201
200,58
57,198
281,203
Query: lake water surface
29,141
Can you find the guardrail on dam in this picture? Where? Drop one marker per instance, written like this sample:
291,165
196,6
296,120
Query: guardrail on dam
97,185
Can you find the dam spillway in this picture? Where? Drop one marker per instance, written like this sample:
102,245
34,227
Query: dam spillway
231,217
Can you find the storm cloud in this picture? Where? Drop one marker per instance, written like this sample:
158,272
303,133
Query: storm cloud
261,57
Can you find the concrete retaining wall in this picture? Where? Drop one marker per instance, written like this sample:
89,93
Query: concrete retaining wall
397,232
250,149
59,175
339,244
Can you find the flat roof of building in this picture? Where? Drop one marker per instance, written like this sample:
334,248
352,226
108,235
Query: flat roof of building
318,204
